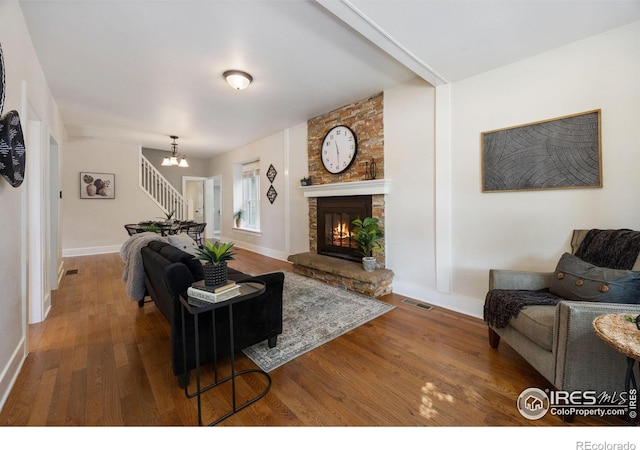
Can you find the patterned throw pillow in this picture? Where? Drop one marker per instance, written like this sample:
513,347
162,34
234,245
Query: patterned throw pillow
575,279
184,242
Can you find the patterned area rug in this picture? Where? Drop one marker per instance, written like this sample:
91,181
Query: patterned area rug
313,313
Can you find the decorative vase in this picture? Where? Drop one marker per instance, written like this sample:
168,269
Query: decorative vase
215,274
369,263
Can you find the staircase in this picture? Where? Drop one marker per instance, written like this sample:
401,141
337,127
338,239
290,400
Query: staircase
160,190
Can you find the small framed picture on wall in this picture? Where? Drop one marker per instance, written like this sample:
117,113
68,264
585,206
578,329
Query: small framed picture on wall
94,185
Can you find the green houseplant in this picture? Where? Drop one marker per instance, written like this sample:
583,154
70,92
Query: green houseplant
238,216
215,256
367,233
168,216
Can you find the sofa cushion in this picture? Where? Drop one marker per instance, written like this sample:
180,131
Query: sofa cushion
575,279
174,255
536,323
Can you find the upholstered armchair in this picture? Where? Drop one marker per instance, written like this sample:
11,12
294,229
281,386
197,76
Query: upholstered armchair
557,337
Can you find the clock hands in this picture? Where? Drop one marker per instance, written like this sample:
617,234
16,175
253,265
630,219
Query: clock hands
337,153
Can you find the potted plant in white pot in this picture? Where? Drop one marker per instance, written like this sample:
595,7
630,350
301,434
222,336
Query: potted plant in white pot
367,234
238,216
215,256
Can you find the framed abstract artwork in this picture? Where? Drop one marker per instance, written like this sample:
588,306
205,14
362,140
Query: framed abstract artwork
560,153
94,185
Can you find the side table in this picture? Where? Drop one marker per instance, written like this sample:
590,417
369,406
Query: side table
248,289
624,336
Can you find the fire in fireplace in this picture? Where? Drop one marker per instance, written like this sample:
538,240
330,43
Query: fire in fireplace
335,215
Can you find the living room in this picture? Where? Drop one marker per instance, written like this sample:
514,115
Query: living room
435,172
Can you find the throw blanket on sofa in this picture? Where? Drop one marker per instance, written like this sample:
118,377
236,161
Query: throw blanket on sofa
131,255
615,249
501,305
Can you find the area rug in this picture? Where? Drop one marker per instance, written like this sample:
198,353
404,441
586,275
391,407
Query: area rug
313,313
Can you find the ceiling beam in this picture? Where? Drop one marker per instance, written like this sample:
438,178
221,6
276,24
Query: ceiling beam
356,19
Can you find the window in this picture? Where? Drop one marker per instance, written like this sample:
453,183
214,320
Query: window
251,195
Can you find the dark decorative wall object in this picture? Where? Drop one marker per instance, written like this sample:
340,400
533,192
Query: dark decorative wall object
12,149
272,194
1,80
560,153
271,173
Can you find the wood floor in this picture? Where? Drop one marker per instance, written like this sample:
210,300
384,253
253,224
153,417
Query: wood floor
98,359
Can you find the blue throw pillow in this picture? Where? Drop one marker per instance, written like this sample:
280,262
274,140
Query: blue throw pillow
575,279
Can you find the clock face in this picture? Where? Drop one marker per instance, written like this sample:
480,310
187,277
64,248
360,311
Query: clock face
339,149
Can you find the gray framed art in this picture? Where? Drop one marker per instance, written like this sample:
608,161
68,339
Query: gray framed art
560,153
95,185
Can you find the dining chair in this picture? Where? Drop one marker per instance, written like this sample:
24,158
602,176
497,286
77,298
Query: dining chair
195,231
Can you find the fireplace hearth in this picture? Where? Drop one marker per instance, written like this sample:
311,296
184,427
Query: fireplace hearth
335,217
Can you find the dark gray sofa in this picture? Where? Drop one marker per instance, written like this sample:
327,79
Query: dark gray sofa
170,271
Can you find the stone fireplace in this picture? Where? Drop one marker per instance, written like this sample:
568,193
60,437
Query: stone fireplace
337,199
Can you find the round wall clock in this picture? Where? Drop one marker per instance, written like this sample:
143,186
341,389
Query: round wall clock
339,149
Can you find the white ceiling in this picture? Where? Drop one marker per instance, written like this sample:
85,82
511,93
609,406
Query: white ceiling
139,71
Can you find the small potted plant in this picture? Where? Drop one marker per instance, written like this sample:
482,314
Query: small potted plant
238,216
169,216
367,234
305,181
215,256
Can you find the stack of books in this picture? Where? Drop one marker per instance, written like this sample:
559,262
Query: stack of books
213,294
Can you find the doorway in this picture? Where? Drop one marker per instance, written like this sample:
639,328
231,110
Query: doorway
215,187
194,197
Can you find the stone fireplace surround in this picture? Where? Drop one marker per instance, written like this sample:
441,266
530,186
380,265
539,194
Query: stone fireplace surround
346,274
365,118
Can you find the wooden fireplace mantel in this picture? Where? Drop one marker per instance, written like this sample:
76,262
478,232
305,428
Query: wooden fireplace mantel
368,187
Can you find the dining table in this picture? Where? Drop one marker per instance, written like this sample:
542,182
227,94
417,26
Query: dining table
163,227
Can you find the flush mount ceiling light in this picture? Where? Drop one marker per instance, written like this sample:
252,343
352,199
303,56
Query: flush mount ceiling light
173,159
237,79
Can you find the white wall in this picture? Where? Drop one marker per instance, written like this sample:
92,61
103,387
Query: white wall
409,155
530,230
92,226
297,215
282,222
21,66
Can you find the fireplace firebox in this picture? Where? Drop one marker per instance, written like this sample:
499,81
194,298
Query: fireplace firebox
335,215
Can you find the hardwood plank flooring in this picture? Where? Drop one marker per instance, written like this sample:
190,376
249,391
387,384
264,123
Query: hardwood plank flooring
98,359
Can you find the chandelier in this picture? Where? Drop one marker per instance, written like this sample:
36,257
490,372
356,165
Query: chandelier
173,159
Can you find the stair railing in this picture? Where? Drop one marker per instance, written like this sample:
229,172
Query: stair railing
160,190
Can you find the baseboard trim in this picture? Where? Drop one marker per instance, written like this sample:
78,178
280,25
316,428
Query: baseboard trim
11,371
459,303
258,249
91,250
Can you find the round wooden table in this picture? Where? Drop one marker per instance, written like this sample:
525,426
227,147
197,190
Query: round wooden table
624,336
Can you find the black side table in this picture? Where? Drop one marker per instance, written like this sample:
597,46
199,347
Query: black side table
248,289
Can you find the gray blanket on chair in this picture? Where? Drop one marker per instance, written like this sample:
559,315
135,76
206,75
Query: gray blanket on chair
501,305
131,255
615,249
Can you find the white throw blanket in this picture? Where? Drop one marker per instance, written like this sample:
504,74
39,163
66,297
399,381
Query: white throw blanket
131,255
